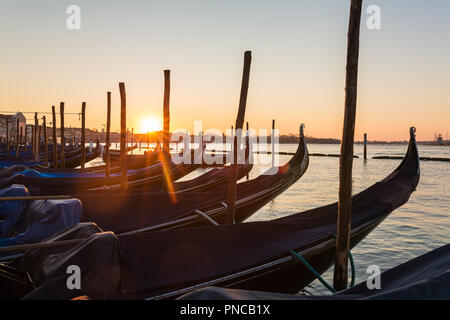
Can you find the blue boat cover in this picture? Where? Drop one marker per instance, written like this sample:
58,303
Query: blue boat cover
7,208
32,221
9,163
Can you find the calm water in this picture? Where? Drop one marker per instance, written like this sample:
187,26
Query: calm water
419,226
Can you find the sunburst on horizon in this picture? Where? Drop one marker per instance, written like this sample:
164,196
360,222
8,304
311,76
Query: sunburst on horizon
149,124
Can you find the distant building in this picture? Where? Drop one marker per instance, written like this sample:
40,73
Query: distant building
440,141
12,124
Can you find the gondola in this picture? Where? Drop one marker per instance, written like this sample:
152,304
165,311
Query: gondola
30,221
72,182
133,162
11,163
68,183
54,182
207,181
167,264
75,161
115,154
424,277
25,155
141,209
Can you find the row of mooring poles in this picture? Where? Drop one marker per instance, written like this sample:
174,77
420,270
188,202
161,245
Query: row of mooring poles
123,128
36,137
231,194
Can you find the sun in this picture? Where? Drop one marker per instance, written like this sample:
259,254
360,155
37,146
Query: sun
150,125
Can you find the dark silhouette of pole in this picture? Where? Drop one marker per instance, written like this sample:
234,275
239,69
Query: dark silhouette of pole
44,124
7,134
32,139
365,146
123,136
83,135
231,194
36,140
108,133
25,136
54,140
39,139
166,129
272,142
17,130
132,139
247,149
63,138
346,157
17,138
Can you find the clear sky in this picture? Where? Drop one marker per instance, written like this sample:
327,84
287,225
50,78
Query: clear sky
298,68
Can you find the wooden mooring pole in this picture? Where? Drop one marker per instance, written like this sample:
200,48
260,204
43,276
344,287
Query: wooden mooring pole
7,135
365,146
166,112
33,139
17,139
132,138
346,158
247,149
123,136
25,136
54,140
36,140
231,194
83,135
44,125
272,142
63,138
39,139
108,133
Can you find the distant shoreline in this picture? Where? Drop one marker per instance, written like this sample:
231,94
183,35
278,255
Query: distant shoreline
283,139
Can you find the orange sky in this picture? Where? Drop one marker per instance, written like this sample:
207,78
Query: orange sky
298,69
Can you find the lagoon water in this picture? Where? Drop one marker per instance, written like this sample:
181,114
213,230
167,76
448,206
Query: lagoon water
419,226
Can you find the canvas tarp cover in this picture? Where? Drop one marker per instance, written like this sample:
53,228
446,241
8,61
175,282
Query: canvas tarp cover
425,277
132,210
97,258
33,221
189,256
